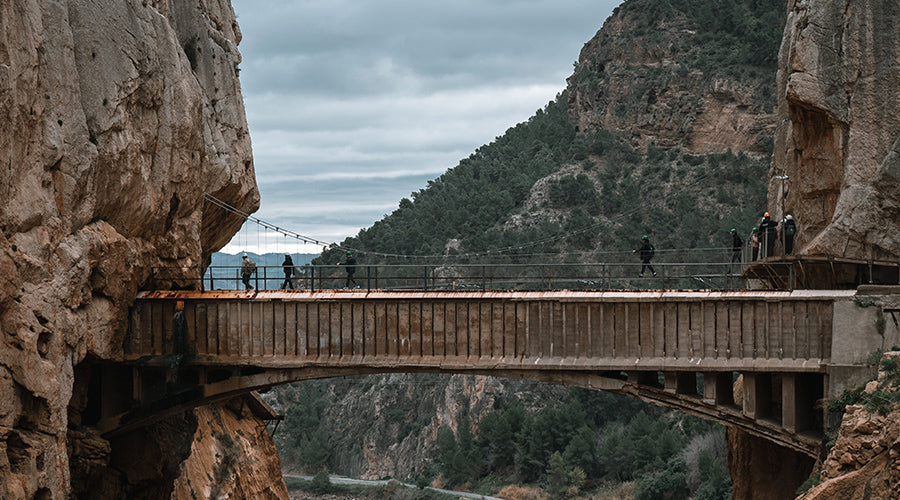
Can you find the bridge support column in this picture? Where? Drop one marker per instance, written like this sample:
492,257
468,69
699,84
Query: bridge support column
757,402
799,393
718,388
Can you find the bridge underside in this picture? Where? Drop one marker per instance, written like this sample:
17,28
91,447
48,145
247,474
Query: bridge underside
780,407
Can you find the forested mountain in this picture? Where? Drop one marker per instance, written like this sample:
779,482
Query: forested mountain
663,129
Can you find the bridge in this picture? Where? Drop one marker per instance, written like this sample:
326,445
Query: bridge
787,350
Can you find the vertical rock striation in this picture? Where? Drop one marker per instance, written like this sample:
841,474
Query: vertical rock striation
118,117
838,139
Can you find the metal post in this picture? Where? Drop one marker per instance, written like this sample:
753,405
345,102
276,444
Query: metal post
312,278
425,273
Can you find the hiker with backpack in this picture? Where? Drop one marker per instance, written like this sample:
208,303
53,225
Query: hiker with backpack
788,229
248,267
646,253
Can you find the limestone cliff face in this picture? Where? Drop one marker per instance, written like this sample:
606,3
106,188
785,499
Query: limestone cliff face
839,135
117,118
642,75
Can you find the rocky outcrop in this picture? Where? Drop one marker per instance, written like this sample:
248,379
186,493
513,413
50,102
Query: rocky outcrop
762,470
118,117
865,459
838,141
651,74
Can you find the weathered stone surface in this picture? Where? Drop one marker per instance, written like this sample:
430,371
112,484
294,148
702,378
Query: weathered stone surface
640,80
118,117
837,139
232,456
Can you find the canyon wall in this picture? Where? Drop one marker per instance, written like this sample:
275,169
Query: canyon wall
838,138
119,116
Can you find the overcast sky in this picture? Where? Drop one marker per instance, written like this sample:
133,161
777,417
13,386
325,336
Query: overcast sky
354,104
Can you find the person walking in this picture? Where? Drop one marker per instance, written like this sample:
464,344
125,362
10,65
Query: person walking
788,229
248,267
646,253
288,266
350,265
736,244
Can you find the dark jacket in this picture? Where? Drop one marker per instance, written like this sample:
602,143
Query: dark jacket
736,242
288,265
647,251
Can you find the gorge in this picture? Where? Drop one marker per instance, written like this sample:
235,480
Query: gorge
121,117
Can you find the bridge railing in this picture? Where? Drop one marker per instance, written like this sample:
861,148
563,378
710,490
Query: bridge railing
548,276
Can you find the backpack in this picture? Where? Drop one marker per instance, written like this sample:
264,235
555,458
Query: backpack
790,228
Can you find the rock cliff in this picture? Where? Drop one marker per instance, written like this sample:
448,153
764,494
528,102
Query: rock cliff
865,459
837,140
656,72
118,117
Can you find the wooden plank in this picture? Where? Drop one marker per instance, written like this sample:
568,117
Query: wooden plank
715,342
404,327
257,323
303,329
485,329
437,327
392,328
232,330
801,330
697,332
312,321
521,314
748,330
608,320
595,329
620,348
826,317
773,330
510,335
497,333
583,329
671,330
466,330
450,331
546,330
326,329
759,328
344,338
533,318
415,329
358,328
279,321
633,329
569,331
684,330
788,329
290,329
735,331
658,324
370,339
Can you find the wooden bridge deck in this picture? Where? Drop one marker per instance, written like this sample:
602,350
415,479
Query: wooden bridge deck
729,331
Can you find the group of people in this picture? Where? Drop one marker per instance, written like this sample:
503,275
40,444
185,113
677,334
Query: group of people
764,236
248,267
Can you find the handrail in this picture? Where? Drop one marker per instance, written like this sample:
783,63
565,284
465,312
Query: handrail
474,276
